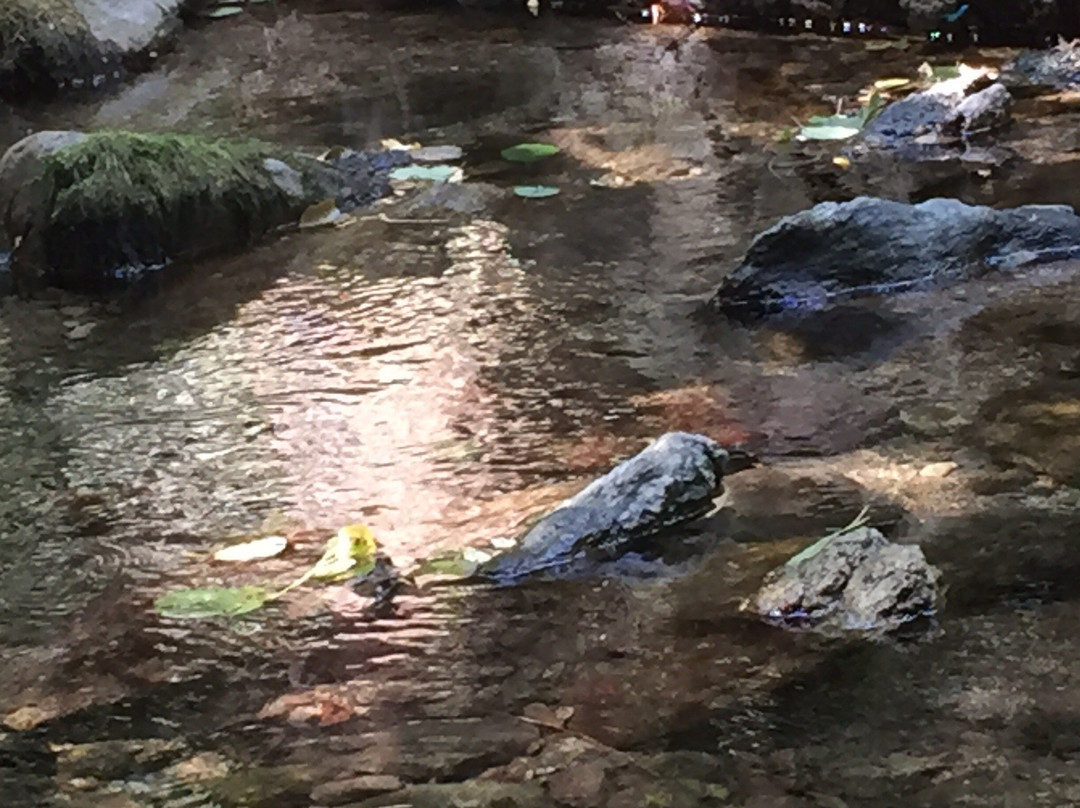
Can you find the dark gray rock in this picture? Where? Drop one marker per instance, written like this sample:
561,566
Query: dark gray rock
1056,68
948,112
674,480
92,212
868,246
48,44
852,581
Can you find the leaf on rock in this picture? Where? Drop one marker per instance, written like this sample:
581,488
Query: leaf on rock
213,601
535,191
266,547
529,152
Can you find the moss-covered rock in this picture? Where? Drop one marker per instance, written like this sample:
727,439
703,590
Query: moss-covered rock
48,44
92,211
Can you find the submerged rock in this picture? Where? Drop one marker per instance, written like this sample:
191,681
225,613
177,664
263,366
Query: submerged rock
854,580
1056,68
673,481
839,250
90,212
48,44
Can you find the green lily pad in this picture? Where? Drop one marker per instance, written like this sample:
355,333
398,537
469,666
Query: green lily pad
213,601
535,191
827,132
438,173
529,152
218,12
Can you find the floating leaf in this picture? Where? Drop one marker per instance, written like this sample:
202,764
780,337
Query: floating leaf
827,132
350,551
892,84
841,161
266,547
535,191
218,12
436,154
529,152
439,173
214,601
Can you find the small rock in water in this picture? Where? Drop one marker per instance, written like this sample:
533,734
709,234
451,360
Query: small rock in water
674,480
856,580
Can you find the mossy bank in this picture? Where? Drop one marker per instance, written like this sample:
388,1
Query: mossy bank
90,212
46,45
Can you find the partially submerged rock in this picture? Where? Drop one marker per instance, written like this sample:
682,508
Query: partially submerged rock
948,112
854,580
48,44
673,481
88,212
838,250
1056,68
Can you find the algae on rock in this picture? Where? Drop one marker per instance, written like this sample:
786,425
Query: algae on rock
43,42
87,212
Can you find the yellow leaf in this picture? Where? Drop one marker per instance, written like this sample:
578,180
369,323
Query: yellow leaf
892,84
841,161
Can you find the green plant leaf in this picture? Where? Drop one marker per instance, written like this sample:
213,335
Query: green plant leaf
213,601
535,191
529,152
439,173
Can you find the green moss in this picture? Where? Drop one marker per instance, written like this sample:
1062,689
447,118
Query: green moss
116,173
126,200
44,41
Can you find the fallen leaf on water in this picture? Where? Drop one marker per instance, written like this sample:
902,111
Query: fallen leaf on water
26,718
266,547
326,707
320,214
213,601
436,154
841,161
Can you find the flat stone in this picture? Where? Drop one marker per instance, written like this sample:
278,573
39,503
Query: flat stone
339,792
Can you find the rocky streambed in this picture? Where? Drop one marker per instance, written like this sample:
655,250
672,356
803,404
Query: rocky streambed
455,361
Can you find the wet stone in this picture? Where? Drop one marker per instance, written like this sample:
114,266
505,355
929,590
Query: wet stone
673,481
836,251
852,581
469,794
339,792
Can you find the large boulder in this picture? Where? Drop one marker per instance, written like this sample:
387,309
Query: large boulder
90,212
839,250
47,44
671,482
